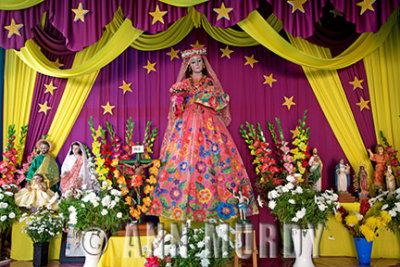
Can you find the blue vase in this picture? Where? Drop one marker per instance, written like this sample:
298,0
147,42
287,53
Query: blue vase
364,250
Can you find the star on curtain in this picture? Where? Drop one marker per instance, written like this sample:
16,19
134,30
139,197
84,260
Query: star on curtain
197,45
226,52
356,83
173,54
366,5
158,15
363,104
223,12
79,13
126,87
150,66
13,28
57,63
269,79
44,108
50,88
295,132
288,102
250,61
108,108
297,5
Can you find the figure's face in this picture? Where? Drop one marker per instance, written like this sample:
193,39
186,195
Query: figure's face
315,151
76,149
44,148
196,64
341,161
380,150
37,179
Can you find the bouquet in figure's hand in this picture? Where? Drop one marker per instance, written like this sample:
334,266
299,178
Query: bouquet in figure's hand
178,96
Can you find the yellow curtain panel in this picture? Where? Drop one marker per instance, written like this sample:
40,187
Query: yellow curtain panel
19,84
383,68
330,94
18,4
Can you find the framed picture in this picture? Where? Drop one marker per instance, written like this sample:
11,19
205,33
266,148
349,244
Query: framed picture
71,249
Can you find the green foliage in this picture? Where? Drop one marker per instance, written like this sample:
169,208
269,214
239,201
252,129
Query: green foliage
9,211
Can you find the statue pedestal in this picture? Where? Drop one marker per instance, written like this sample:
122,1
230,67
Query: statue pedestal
346,197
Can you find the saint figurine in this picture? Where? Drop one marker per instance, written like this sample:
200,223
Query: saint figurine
315,170
380,157
200,161
361,182
342,176
390,181
243,203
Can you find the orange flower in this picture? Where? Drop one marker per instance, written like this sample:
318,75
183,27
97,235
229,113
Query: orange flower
148,189
114,163
153,170
137,180
156,163
144,209
135,213
152,179
124,191
116,173
121,181
128,200
204,195
147,201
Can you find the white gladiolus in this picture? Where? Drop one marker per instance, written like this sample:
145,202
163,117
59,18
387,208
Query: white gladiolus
1,196
384,207
10,194
392,213
272,204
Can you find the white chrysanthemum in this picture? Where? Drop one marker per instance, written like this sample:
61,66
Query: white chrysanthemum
183,251
299,190
290,178
106,201
285,189
3,218
272,204
384,207
1,196
273,194
201,244
119,215
10,194
205,262
11,215
104,212
291,201
289,186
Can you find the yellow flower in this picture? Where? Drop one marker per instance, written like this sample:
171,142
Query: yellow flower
152,180
116,173
146,201
338,217
386,217
148,189
372,223
351,220
156,163
114,162
153,170
303,147
367,232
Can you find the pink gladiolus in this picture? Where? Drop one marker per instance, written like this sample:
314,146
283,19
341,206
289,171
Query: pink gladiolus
152,261
287,158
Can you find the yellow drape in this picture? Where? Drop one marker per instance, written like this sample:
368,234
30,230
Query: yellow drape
382,69
330,94
258,28
183,3
18,4
123,37
19,84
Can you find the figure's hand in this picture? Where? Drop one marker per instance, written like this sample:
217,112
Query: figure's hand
260,202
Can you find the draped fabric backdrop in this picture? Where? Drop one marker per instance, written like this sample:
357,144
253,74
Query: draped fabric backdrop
2,53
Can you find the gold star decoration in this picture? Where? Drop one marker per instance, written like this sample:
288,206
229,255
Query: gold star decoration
250,61
173,54
50,88
158,15
44,108
150,66
356,83
366,4
197,45
57,63
80,13
269,79
363,104
226,52
126,87
288,102
297,5
108,108
336,13
223,12
13,28
295,132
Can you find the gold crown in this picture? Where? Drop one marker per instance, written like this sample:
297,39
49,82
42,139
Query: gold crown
193,52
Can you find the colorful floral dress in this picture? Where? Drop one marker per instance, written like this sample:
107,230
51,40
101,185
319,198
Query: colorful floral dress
202,163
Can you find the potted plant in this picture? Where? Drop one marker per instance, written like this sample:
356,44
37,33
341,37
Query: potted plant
42,226
94,214
296,204
363,226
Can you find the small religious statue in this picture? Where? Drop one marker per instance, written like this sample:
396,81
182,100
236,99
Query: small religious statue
361,183
315,170
137,178
342,181
380,158
242,204
390,181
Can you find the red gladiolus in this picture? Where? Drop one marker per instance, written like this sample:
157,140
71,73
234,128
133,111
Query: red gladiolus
277,181
364,207
394,162
152,261
256,144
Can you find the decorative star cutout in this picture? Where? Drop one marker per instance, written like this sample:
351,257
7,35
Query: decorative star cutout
288,102
336,13
98,132
295,132
223,12
108,108
366,4
57,63
150,66
13,28
197,45
126,87
250,61
173,54
80,13
158,15
269,79
44,108
226,52
356,83
50,88
297,5
363,104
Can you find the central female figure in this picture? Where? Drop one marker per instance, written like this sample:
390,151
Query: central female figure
201,164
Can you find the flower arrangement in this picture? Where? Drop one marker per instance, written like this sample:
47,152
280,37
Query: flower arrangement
365,223
43,225
9,211
301,141
294,203
394,161
390,202
105,210
193,249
